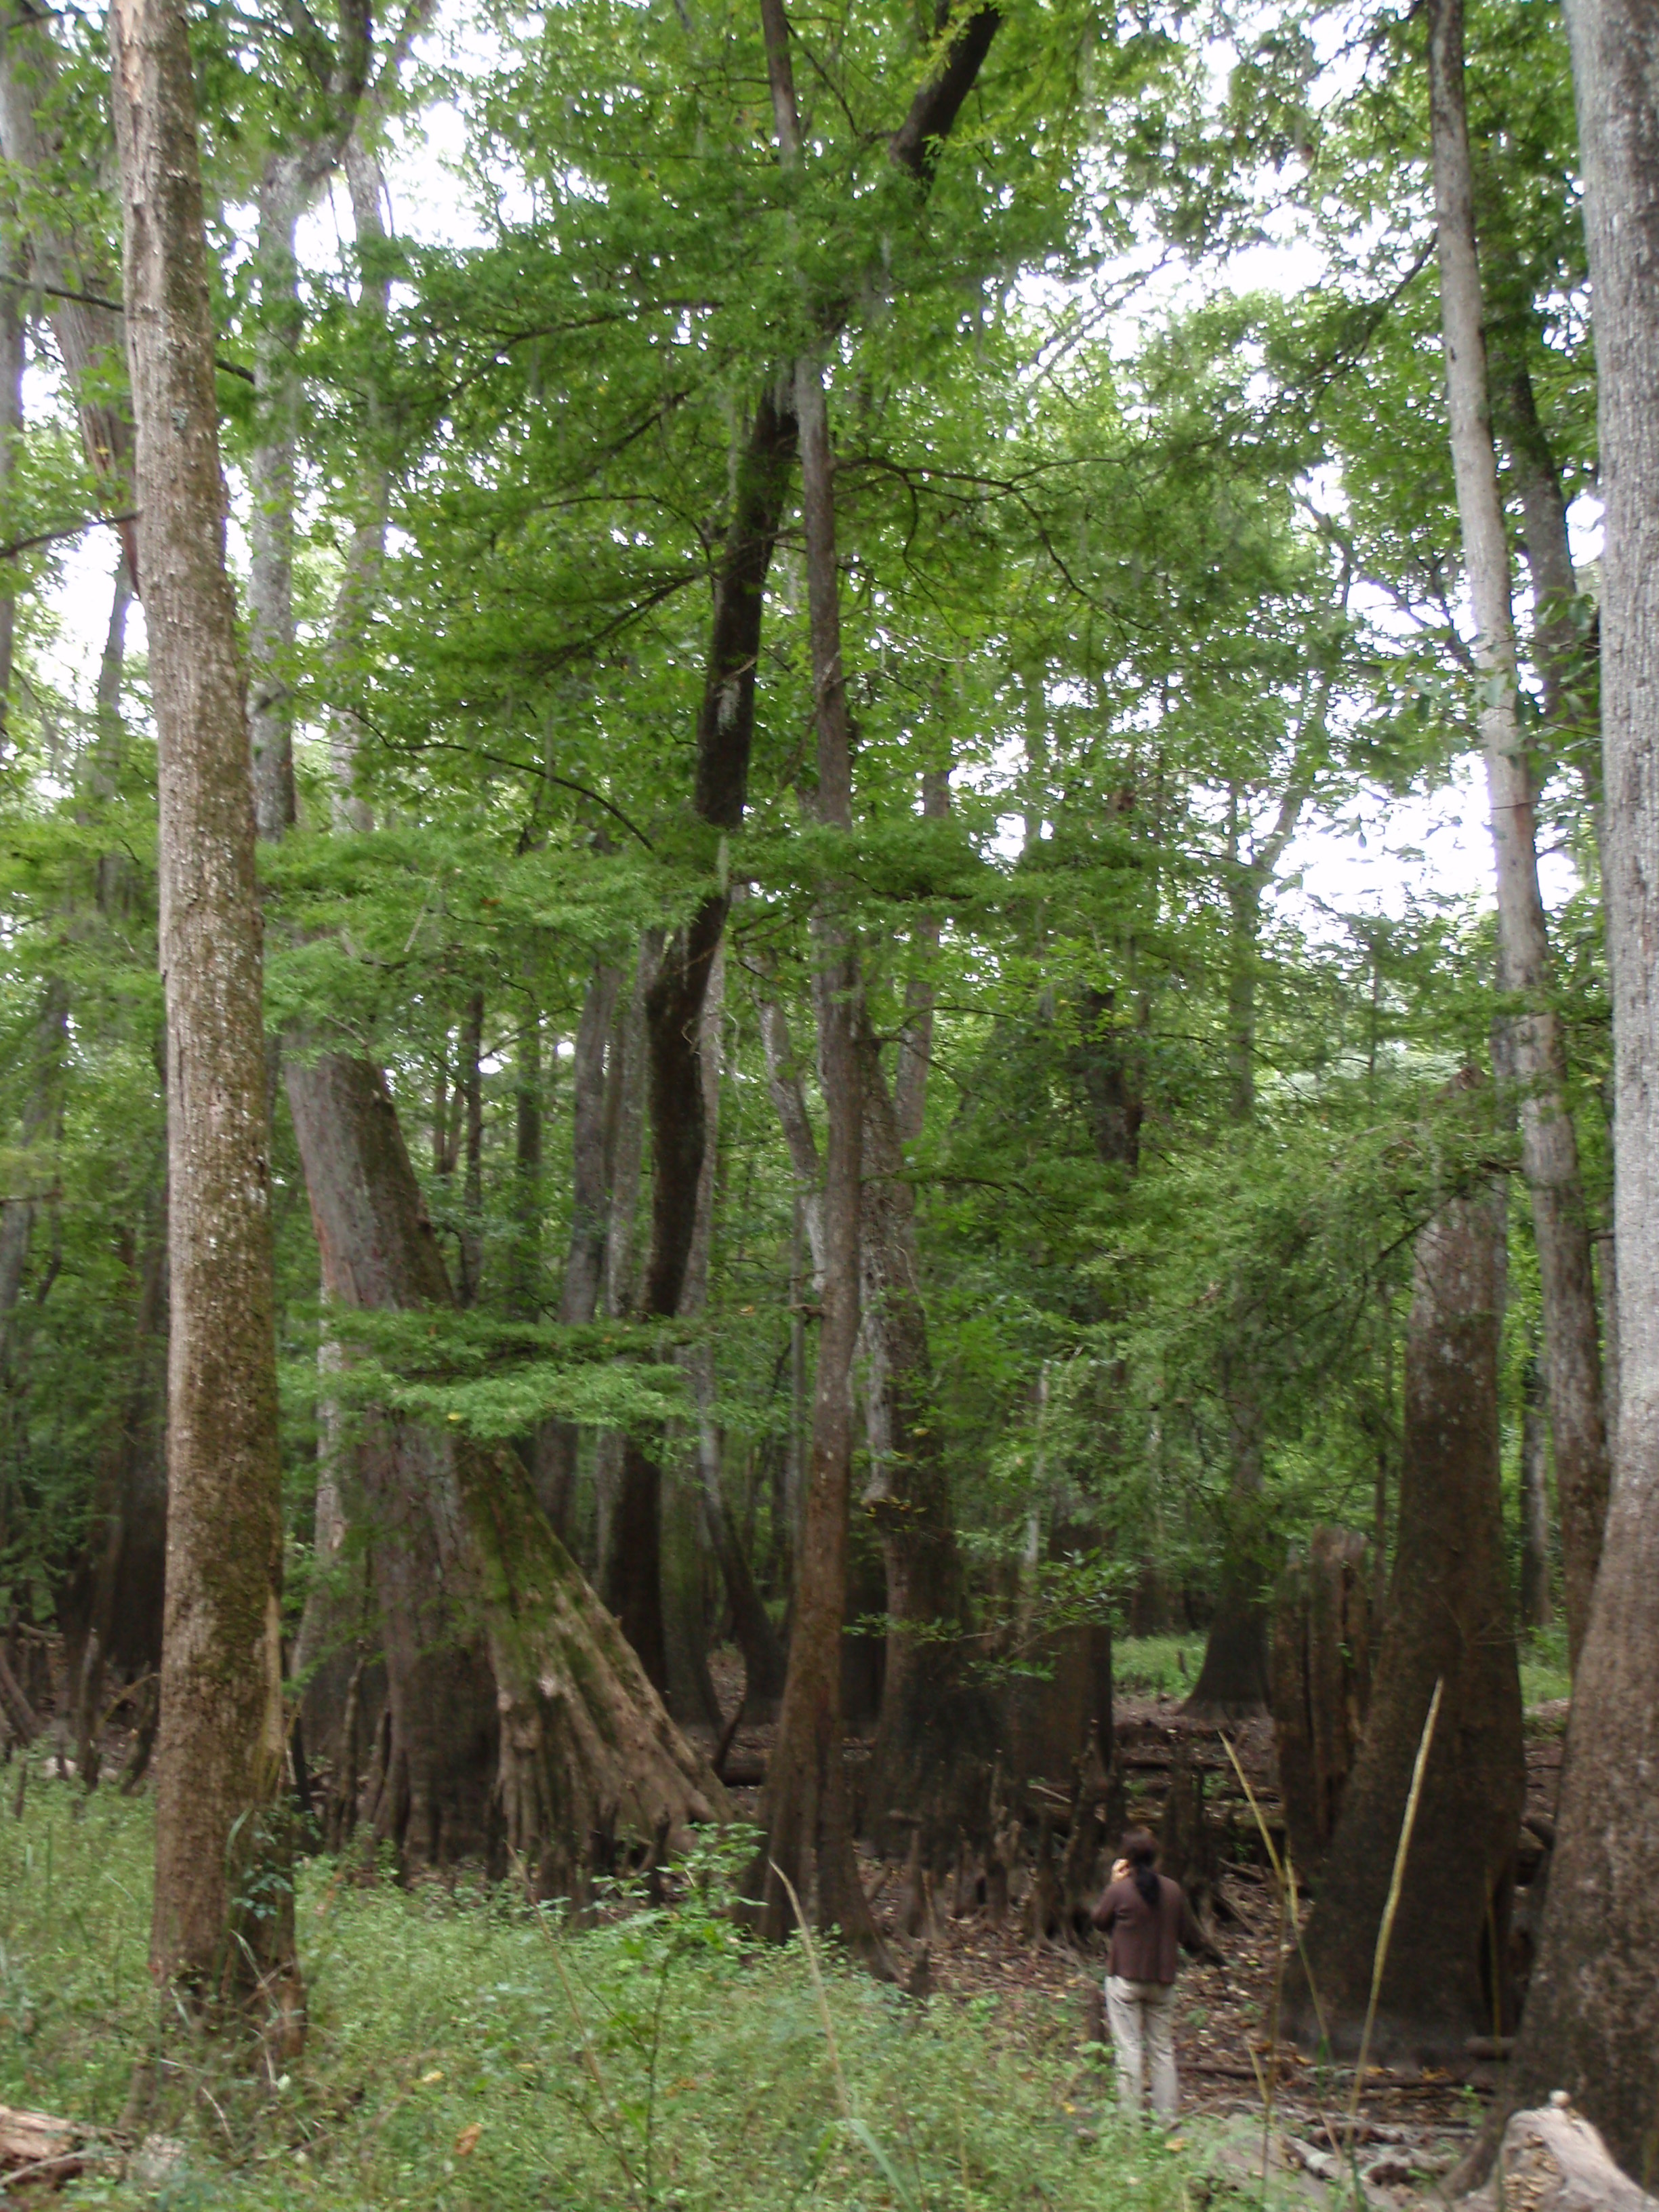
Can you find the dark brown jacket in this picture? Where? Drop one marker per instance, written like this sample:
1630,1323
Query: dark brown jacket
1144,1937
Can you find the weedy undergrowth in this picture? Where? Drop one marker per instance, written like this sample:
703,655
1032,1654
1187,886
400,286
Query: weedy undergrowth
473,2052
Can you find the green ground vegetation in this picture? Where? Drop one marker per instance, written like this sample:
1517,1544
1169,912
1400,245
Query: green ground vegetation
467,2052
1151,1666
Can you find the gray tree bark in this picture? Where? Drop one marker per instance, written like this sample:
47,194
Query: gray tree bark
1450,1620
1591,2025
1549,1146
806,1810
221,1745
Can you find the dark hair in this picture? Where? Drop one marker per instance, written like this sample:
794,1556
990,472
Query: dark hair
1140,1849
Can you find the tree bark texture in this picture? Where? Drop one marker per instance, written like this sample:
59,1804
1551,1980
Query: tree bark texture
470,1241
526,1718
1548,1143
524,1252
288,182
221,1745
1450,1619
1322,1684
281,194
1592,2019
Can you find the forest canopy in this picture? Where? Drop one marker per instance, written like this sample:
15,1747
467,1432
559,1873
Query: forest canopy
746,923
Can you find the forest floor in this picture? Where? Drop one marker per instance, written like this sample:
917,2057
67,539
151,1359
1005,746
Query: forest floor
465,2058
1412,2125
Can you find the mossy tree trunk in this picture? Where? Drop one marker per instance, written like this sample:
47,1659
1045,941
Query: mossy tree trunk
222,1918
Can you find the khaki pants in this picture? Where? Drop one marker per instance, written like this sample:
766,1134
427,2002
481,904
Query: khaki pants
1141,2015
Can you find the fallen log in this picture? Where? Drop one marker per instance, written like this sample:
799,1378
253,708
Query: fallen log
37,2147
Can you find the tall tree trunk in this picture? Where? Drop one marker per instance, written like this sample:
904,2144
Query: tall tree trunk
221,1745
806,1810
674,1002
916,1048
524,1255
1549,1146
471,1273
624,1123
364,558
270,485
1592,2019
724,738
11,438
435,1782
805,1251
334,1639
763,1657
697,1475
594,1089
937,1734
1537,1606
90,337
1235,1678
1450,1620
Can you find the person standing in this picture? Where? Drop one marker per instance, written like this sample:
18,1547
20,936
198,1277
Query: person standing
1148,1918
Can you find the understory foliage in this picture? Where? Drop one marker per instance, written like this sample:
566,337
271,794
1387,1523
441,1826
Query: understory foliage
1164,579
467,2049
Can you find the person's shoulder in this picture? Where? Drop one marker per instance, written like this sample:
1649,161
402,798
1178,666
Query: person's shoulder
1172,1890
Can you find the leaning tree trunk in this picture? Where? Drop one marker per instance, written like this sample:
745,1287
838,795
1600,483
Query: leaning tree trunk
1592,2019
1449,1620
220,1747
674,1002
1549,1145
524,1719
724,736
